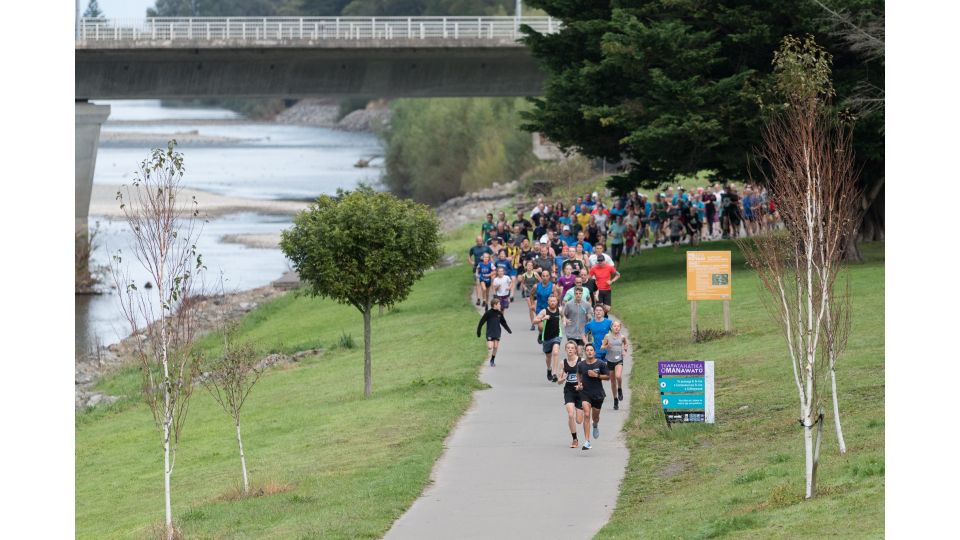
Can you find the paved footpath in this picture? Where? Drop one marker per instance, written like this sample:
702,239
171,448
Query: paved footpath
507,470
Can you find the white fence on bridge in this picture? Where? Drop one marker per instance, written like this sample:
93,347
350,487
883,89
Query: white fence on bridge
261,29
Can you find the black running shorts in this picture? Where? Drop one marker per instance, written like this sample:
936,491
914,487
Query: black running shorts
572,396
596,403
605,297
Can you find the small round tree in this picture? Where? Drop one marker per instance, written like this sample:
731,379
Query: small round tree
364,248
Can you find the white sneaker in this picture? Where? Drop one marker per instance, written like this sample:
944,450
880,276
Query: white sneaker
586,446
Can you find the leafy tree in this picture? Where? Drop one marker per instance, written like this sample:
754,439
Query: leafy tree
480,138
93,10
230,380
164,230
676,87
364,248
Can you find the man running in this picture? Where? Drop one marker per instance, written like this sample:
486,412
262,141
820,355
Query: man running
590,374
605,275
597,330
494,319
551,335
576,314
571,394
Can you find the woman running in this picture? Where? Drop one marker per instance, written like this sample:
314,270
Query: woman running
485,276
615,346
590,374
501,285
494,319
571,395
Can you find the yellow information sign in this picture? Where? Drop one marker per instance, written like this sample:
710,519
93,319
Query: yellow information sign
708,275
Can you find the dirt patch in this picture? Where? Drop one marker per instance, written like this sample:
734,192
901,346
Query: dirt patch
672,469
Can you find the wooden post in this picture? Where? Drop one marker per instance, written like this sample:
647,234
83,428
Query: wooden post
726,317
693,320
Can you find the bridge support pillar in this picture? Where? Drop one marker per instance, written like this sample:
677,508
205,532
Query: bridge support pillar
87,120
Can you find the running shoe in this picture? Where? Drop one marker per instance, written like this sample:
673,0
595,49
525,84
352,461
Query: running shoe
478,301
575,443
484,305
616,402
549,376
620,394
555,379
596,431
493,364
586,446
532,328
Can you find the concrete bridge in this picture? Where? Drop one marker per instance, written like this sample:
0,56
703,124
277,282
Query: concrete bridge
292,57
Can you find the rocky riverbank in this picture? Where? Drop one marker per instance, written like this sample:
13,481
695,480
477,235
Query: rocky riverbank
215,311
326,112
471,207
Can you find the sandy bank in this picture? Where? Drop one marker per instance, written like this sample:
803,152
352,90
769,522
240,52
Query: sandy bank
103,202
160,140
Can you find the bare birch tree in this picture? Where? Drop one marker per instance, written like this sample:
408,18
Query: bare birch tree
230,380
813,181
165,232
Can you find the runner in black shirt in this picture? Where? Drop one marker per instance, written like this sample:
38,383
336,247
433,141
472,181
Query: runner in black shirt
494,319
571,396
525,226
550,336
591,373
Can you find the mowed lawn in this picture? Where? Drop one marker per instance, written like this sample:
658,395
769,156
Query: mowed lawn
351,466
744,476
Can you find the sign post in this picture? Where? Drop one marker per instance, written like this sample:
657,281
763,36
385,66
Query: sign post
709,278
687,391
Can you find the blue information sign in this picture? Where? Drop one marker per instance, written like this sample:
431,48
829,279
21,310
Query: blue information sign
681,384
682,401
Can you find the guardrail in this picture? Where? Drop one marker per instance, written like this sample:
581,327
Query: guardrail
260,29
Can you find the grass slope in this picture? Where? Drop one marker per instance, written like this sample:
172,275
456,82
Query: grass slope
744,476
354,465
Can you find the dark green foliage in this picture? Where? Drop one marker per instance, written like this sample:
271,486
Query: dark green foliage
328,8
677,87
441,148
215,8
363,248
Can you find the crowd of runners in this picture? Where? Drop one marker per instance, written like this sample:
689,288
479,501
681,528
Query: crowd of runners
557,261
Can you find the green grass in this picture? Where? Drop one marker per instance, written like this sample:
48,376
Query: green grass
351,466
743,477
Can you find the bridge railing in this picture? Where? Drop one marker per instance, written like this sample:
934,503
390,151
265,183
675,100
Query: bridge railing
272,29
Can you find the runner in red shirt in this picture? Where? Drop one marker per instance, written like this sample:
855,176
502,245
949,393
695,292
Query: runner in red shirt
604,274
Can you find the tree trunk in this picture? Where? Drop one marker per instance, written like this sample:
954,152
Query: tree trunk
367,375
166,479
243,461
381,310
851,253
836,411
808,455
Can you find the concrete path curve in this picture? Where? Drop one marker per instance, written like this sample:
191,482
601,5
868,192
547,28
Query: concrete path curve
507,470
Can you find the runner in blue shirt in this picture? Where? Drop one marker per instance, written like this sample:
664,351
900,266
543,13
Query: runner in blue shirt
484,276
598,328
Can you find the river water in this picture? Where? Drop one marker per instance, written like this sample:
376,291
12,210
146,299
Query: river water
266,161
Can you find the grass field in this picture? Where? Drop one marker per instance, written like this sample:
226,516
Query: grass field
345,467
744,476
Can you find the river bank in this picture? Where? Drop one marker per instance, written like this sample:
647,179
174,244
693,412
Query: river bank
215,311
